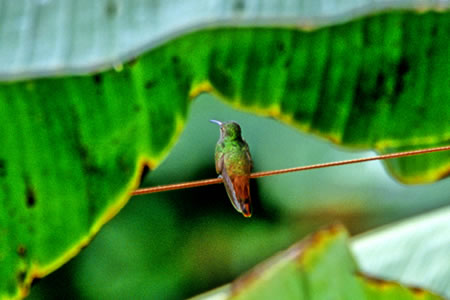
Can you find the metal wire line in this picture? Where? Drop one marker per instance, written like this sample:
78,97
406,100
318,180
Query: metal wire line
191,184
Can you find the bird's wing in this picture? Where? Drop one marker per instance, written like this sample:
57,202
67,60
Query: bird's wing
230,190
219,162
249,157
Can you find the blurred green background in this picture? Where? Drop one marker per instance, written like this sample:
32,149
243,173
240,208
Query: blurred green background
177,244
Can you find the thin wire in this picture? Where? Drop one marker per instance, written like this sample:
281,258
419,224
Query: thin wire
191,184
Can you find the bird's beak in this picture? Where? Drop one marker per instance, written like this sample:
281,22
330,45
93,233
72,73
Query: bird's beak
216,122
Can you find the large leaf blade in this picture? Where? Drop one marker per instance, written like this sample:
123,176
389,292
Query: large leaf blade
54,37
415,251
319,267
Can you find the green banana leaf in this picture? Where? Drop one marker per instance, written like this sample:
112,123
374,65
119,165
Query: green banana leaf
322,266
414,252
77,133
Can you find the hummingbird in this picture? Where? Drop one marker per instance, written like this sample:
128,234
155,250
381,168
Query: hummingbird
234,165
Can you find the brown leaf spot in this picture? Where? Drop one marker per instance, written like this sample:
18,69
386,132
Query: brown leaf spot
402,69
288,62
374,280
2,168
30,196
21,276
280,46
21,251
149,84
418,291
98,79
175,60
